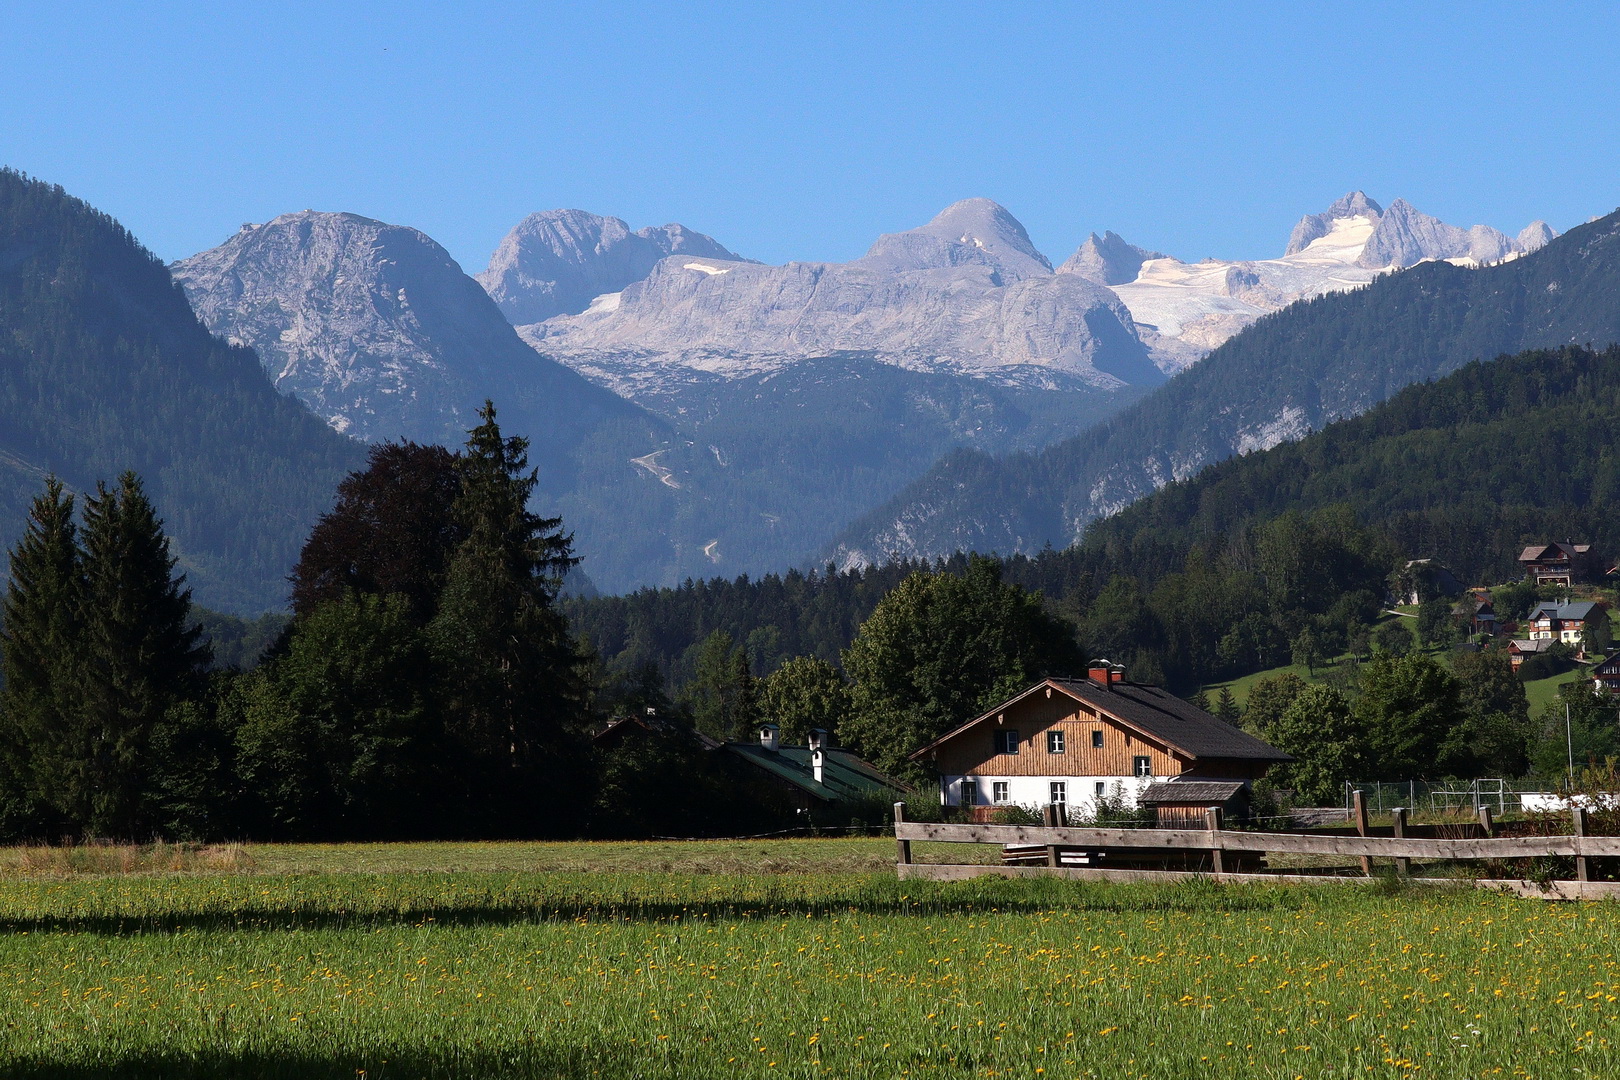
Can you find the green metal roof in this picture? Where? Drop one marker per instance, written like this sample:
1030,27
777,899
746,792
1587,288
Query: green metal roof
845,777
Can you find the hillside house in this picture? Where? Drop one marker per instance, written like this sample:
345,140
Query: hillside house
1606,674
1071,741
1561,564
1521,649
1424,579
1573,624
1476,614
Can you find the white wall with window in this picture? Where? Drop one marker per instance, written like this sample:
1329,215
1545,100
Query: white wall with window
1079,793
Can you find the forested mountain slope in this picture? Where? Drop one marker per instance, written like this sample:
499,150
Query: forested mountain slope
1467,469
104,367
1288,374
1221,574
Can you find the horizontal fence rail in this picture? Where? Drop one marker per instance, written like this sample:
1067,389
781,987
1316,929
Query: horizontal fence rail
1389,847
1227,850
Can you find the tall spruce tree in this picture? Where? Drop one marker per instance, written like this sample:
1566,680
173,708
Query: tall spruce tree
513,691
38,641
139,657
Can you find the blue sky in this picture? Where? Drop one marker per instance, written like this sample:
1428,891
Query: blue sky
804,131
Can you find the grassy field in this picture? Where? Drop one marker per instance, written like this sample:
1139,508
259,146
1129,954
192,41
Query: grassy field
1538,691
428,966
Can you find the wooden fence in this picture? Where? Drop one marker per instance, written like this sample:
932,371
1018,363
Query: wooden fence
1227,854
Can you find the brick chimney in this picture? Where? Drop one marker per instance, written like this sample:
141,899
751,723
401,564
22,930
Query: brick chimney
1105,674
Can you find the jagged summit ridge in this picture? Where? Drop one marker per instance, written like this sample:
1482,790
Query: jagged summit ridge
1315,226
556,262
1183,310
1108,260
966,293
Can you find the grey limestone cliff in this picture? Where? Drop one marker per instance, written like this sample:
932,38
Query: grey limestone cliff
555,262
376,328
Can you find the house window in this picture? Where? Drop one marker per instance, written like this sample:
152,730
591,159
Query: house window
1054,742
1142,765
999,792
1059,793
1102,789
1096,739
1007,742
970,792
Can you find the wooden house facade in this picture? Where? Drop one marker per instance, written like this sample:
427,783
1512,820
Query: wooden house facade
1562,564
1074,741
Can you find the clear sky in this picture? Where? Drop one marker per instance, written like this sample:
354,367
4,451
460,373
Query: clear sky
803,131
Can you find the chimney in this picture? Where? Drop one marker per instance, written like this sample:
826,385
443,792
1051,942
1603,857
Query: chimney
818,755
1104,673
768,737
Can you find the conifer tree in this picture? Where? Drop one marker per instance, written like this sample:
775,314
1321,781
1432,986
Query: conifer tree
510,666
38,639
139,656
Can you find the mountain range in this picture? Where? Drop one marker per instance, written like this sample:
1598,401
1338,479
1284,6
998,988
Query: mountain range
695,412
1326,358
709,414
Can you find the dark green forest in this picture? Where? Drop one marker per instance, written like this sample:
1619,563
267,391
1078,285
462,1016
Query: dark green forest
104,368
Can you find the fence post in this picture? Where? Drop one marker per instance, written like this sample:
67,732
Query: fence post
902,847
1579,814
1360,799
1212,822
1403,866
1485,822
1049,815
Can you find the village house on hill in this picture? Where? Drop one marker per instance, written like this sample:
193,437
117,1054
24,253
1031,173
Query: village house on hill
1069,741
1564,564
1579,625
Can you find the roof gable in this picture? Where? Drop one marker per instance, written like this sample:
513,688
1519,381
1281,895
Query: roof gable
1149,711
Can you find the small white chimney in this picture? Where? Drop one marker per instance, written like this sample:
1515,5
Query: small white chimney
768,737
818,753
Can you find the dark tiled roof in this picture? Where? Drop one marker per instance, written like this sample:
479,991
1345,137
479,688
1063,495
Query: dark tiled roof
844,776
1178,723
1156,713
1185,792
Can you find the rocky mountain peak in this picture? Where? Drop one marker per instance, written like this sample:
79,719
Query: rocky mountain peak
557,261
1108,260
972,232
1315,226
1536,235
372,325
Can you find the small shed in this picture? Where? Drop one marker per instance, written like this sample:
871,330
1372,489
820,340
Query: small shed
1180,804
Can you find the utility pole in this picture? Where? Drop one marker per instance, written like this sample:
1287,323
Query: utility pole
1569,742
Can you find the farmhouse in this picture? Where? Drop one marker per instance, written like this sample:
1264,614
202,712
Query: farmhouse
1562,564
1069,741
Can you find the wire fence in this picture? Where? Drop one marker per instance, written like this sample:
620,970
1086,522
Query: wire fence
1462,796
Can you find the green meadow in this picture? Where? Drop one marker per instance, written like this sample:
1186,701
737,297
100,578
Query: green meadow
558,960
